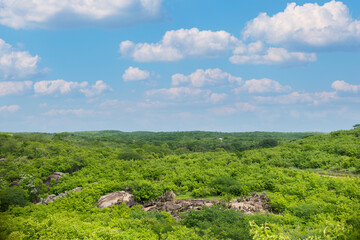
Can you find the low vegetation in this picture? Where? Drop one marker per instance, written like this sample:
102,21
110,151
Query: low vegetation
292,169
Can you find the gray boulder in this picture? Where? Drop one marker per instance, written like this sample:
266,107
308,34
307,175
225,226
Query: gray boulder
77,189
56,176
116,198
52,197
251,204
168,196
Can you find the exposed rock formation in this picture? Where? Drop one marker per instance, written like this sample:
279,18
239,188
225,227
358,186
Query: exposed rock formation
56,176
77,189
116,198
174,207
52,197
168,196
251,204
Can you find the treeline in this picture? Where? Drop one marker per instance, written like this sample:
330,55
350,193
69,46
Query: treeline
193,141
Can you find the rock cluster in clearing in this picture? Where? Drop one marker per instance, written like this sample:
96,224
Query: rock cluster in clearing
168,203
116,198
52,197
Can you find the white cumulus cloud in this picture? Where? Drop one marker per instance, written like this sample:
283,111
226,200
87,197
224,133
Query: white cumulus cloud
80,13
179,44
310,25
57,86
9,88
344,86
96,89
135,74
201,77
10,108
16,64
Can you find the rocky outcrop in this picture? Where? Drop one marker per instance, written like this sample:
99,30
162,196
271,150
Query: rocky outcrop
52,197
168,196
77,189
175,207
251,204
56,176
116,198
167,203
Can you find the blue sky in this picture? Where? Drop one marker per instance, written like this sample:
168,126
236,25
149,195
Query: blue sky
176,65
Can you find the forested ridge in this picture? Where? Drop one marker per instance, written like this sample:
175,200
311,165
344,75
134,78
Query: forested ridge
298,172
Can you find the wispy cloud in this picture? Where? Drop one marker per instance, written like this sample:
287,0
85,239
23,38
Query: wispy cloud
9,88
299,97
237,107
262,86
177,93
62,112
272,56
10,108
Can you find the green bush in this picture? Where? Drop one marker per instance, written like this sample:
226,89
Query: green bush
220,222
12,196
145,192
130,156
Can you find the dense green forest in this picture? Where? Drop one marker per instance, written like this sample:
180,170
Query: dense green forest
310,179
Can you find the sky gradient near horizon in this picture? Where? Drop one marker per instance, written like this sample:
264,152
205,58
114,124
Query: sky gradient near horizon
179,65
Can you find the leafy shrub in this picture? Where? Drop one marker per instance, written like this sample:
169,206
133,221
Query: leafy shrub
268,143
306,210
201,192
12,196
221,222
130,156
229,185
145,192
